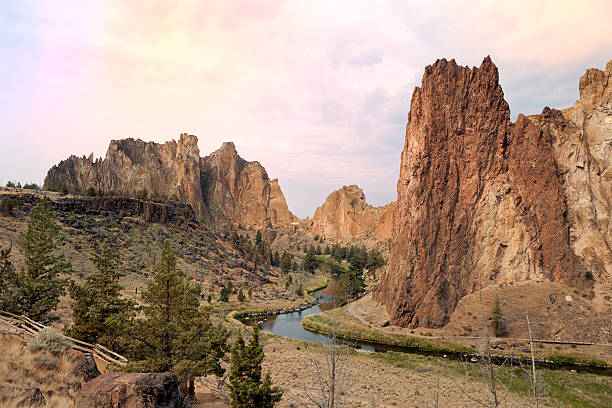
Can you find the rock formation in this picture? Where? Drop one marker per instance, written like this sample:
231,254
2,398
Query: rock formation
482,200
345,215
134,390
222,187
241,191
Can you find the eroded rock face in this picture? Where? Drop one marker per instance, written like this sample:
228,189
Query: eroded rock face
482,200
136,390
346,214
222,187
241,191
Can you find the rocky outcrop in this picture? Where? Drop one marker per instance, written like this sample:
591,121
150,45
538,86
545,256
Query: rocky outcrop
345,215
483,201
385,222
137,390
241,191
222,187
150,211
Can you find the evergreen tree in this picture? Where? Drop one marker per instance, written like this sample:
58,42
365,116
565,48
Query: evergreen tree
225,293
310,263
497,319
174,334
285,262
318,250
241,297
40,284
375,260
99,313
258,238
246,385
8,281
327,251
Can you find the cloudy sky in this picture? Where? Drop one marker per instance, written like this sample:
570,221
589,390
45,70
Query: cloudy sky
317,91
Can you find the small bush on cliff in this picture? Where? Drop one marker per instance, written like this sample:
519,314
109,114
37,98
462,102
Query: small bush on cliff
246,385
10,184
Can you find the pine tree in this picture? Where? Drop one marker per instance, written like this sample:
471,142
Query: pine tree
40,284
258,238
246,385
8,281
99,313
327,251
174,334
241,297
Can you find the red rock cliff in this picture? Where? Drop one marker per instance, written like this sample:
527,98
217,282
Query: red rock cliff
222,187
480,200
346,215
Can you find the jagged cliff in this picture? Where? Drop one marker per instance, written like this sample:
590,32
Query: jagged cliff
221,187
345,215
482,200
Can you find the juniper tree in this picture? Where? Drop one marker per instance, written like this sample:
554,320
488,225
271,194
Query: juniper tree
40,284
99,313
246,385
497,319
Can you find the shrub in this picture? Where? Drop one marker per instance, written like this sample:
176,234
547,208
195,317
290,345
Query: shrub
7,205
50,340
46,362
31,186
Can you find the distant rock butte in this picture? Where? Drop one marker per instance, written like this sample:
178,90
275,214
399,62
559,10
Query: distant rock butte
482,201
346,215
221,187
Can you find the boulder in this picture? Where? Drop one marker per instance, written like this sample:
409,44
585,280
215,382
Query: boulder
131,390
85,368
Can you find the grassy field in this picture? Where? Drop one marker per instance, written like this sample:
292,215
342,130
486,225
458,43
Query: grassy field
556,388
352,329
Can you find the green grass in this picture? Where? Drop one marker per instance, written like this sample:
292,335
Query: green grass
564,358
351,329
331,262
556,388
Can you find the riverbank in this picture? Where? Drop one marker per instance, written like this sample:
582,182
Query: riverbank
351,328
392,379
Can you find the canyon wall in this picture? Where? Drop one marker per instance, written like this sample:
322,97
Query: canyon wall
221,187
345,215
483,201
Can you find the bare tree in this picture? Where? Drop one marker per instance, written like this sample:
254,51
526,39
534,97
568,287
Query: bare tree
534,382
330,372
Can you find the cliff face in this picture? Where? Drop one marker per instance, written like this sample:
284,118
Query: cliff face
346,214
482,200
221,187
240,190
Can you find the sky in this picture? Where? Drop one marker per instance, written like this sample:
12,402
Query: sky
317,91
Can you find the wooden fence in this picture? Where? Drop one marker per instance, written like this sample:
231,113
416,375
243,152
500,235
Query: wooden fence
27,329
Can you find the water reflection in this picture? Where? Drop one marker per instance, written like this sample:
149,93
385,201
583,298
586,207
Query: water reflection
290,325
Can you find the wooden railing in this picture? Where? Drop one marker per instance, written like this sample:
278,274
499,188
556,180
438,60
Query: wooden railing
27,328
